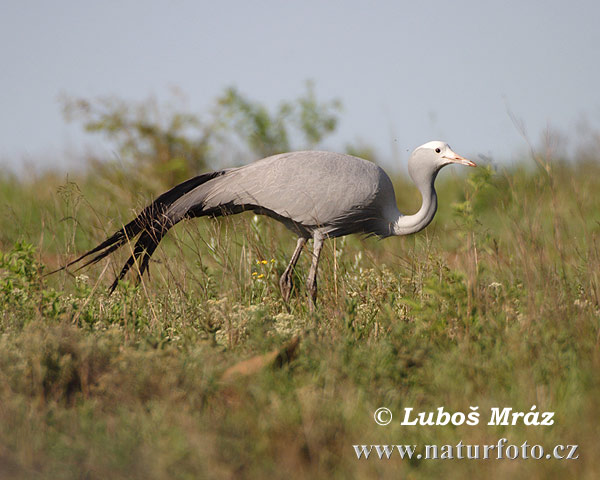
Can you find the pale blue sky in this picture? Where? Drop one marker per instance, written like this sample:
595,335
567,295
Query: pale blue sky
406,72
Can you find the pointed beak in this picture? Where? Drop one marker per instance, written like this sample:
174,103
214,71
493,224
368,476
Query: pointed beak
454,158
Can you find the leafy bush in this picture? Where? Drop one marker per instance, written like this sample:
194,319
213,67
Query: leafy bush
162,141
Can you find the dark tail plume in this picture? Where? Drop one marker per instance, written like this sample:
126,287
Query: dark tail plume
151,225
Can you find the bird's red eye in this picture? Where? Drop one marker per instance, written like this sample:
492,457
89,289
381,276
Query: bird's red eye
437,150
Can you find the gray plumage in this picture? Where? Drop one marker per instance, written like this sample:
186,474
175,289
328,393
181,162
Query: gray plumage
315,194
292,187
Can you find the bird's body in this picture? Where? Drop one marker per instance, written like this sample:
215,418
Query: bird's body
289,187
315,194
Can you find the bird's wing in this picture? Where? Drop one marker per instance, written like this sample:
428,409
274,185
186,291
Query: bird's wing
310,188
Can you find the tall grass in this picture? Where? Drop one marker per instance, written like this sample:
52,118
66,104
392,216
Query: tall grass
495,304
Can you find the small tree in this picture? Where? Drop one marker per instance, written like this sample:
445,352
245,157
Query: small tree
305,120
158,140
171,146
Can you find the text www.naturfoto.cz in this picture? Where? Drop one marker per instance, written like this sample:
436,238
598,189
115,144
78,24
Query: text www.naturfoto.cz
498,451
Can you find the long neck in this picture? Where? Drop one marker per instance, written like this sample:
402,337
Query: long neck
406,224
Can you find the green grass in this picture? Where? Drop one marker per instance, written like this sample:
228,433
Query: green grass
495,304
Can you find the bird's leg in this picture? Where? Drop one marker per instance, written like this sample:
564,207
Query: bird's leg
285,282
311,281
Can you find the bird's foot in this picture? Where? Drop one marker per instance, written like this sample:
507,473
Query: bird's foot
286,285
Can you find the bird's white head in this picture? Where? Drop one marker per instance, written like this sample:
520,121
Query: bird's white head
426,160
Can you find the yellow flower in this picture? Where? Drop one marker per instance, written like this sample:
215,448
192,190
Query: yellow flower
261,275
272,260
254,274
264,262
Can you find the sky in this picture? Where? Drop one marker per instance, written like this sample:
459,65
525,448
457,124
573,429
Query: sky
406,71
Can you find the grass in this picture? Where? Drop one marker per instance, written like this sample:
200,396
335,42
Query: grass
495,304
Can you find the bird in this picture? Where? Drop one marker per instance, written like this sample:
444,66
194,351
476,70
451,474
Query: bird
315,194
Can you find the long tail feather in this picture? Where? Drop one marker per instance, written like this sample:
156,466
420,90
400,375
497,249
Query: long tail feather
143,250
151,224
